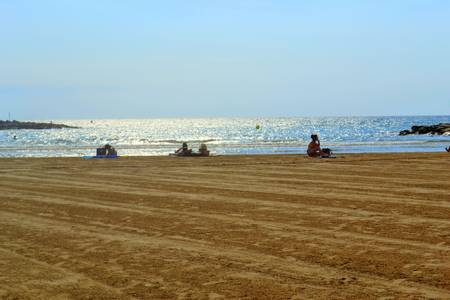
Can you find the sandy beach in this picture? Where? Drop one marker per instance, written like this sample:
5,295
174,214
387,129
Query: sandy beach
366,226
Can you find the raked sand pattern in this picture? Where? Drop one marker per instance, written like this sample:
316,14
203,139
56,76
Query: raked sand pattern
233,227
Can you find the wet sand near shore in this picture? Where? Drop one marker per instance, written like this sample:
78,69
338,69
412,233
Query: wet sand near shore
372,226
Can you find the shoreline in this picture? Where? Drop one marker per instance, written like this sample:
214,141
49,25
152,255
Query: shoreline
338,155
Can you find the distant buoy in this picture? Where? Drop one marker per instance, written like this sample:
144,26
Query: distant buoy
258,126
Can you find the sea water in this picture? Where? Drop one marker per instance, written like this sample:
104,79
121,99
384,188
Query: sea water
225,136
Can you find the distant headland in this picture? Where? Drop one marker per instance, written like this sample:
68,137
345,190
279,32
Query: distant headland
7,125
439,129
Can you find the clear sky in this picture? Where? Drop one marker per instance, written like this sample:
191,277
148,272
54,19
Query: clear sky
205,58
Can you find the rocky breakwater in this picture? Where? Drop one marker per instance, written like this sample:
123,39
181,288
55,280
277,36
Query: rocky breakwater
8,125
439,129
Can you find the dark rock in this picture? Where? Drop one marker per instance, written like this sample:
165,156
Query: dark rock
405,132
8,125
439,129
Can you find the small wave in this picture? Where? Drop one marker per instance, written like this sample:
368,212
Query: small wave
283,141
61,141
149,141
387,143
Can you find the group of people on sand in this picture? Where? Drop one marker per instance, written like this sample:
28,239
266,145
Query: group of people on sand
109,151
106,150
314,150
185,151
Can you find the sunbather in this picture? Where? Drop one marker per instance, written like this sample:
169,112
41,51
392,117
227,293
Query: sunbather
111,151
107,150
203,150
314,149
184,150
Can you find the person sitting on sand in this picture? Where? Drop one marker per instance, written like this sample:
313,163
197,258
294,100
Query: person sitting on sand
107,150
314,149
101,151
447,149
203,150
110,151
184,150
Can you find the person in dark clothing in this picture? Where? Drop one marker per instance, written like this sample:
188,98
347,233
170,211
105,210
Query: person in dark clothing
184,150
107,150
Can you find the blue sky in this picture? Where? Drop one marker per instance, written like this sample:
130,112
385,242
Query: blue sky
136,59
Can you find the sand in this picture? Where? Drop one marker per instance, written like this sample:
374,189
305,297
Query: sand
236,227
